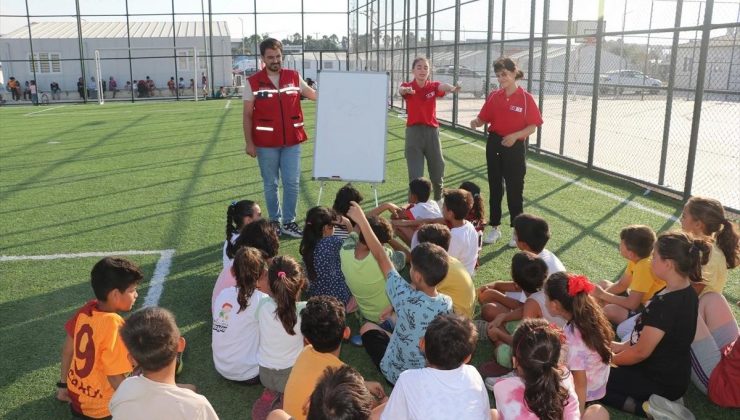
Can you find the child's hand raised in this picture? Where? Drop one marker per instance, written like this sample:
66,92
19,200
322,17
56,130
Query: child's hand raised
355,212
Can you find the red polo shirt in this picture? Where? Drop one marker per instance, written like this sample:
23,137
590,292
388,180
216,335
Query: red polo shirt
421,105
506,115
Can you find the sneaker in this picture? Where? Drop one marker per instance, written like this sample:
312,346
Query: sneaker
661,408
512,242
276,225
493,236
356,340
493,380
292,229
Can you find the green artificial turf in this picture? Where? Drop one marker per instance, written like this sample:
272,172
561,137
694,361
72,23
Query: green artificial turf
155,176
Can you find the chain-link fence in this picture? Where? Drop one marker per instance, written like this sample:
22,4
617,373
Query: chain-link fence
645,89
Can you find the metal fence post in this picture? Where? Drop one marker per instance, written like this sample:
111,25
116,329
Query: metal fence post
669,95
456,61
530,64
595,92
543,64
699,97
566,79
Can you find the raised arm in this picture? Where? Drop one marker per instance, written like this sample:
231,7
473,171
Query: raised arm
376,248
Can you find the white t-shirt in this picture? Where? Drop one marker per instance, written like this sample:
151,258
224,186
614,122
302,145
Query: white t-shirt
554,265
235,337
225,280
464,245
140,398
277,350
430,393
227,260
427,210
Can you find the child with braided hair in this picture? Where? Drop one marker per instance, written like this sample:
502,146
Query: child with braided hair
588,334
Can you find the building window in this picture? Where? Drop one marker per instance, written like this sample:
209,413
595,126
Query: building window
328,65
183,60
688,63
45,62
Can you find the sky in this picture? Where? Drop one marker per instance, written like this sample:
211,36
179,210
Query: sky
282,20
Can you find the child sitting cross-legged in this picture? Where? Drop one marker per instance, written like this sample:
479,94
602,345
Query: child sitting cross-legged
94,359
532,234
323,327
421,209
416,304
463,236
447,388
542,388
153,340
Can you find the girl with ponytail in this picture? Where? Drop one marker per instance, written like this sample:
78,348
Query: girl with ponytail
235,335
542,388
655,363
705,218
238,214
280,326
588,334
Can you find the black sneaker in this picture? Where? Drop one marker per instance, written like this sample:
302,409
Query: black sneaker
276,225
292,229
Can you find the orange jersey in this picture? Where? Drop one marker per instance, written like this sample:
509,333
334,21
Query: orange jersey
98,352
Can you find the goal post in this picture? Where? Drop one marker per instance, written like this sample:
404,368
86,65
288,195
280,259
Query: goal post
155,66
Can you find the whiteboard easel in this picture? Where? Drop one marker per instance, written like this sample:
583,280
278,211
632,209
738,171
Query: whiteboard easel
351,128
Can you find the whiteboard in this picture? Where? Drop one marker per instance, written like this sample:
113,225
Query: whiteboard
351,126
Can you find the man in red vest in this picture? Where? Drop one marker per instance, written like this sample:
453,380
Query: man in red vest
273,132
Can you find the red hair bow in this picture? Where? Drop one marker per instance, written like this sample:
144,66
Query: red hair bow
578,284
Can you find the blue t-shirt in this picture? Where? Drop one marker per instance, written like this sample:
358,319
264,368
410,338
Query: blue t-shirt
415,311
329,278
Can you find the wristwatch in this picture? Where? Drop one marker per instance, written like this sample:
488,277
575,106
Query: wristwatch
61,384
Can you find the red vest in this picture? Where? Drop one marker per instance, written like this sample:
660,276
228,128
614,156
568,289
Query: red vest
277,120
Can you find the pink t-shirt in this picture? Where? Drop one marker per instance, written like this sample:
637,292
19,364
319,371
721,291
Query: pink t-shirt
225,279
509,395
581,357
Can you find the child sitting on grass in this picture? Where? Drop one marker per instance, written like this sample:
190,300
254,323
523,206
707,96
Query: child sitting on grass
153,340
361,270
541,388
94,359
279,322
323,327
420,209
235,333
638,280
258,234
340,393
588,334
344,197
320,251
532,234
447,388
457,284
463,236
238,215
416,304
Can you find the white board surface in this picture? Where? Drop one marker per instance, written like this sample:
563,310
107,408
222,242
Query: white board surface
351,126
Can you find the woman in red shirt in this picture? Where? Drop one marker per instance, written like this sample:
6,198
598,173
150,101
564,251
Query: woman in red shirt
512,115
422,128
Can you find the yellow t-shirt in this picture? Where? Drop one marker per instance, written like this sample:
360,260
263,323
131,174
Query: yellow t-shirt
458,285
306,372
715,271
98,352
643,279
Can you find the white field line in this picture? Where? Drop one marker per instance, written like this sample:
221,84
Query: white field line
156,284
228,104
44,110
577,183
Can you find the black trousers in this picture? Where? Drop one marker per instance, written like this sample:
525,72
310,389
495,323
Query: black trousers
506,165
632,383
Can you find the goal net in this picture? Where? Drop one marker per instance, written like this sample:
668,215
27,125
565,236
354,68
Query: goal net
148,73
